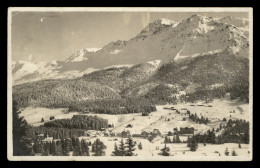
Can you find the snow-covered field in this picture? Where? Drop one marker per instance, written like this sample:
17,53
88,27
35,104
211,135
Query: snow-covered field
163,119
181,149
159,120
220,108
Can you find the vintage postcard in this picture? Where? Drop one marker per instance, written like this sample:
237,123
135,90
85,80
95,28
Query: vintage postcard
130,84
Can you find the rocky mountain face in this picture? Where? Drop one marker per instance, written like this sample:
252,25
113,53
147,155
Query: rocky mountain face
162,41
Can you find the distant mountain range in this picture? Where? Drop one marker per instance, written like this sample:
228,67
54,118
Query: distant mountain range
190,41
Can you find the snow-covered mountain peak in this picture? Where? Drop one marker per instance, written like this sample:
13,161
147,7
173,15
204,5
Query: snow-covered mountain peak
164,21
78,56
155,63
93,49
81,54
162,40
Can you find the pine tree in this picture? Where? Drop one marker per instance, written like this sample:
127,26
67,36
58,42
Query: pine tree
234,153
226,152
46,149
116,151
220,140
166,140
140,147
165,151
204,141
65,147
130,145
98,148
194,144
188,144
59,148
239,145
85,148
21,144
37,147
77,151
73,142
121,148
178,138
53,148
42,120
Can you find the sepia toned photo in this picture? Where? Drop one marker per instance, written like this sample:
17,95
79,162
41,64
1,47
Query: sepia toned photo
130,84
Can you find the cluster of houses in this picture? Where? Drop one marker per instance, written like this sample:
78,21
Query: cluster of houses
156,132
44,138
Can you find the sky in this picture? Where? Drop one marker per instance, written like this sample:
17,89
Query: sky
48,36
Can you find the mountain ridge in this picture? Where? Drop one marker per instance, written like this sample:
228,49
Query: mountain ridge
162,39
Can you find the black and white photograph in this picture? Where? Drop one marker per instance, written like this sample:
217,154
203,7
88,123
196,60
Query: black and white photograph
130,84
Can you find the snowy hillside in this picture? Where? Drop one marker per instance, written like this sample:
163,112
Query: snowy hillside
163,40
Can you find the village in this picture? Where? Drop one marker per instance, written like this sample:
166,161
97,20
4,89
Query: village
171,121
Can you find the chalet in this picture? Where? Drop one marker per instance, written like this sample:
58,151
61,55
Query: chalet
129,126
112,133
52,117
143,134
106,134
175,131
125,134
47,138
156,132
139,135
186,130
40,137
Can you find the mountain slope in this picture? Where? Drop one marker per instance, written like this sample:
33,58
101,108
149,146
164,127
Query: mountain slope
205,76
162,39
60,93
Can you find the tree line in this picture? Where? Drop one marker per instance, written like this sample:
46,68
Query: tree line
201,120
32,132
63,147
79,122
126,148
114,106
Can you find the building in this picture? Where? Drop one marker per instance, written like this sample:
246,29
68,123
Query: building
112,133
125,134
186,130
156,132
48,139
129,126
52,117
106,134
41,137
